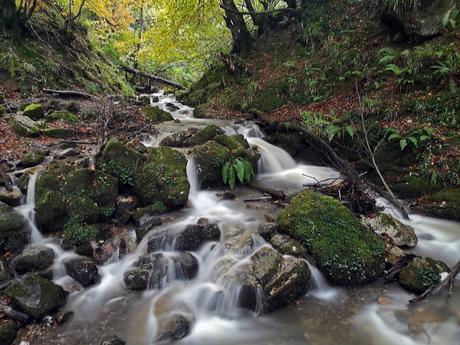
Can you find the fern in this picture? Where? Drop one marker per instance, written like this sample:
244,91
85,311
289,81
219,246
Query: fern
239,168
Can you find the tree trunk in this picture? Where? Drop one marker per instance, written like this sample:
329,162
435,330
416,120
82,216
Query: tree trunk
242,39
8,17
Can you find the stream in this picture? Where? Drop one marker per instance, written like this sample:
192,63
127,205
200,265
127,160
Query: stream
325,315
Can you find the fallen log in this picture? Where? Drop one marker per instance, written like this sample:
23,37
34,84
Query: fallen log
152,77
69,93
274,193
447,283
14,314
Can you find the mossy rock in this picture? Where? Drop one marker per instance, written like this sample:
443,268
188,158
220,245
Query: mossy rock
24,126
239,147
163,178
3,110
210,159
64,115
14,230
205,134
82,194
36,296
421,274
33,158
34,111
77,233
344,250
57,132
201,112
36,258
8,332
120,161
412,187
157,115
155,209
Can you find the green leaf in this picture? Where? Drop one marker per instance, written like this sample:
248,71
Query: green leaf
424,138
350,130
394,136
225,172
232,177
413,140
239,166
403,144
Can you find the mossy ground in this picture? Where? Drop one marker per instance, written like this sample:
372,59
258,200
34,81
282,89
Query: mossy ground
344,250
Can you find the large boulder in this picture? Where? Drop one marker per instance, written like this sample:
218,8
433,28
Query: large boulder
63,192
172,327
120,161
280,280
387,226
14,230
36,296
24,126
179,139
157,115
34,111
11,197
163,178
422,273
344,249
210,158
203,135
424,19
83,270
195,235
36,258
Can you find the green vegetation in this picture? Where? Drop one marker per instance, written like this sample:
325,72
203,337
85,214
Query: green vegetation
239,168
344,250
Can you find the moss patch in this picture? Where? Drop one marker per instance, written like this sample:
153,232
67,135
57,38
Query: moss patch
421,274
157,115
33,158
344,250
64,115
34,111
210,159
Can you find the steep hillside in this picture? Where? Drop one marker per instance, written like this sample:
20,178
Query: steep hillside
399,67
50,54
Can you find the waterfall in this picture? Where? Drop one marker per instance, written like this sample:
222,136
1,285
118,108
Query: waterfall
321,288
28,210
272,158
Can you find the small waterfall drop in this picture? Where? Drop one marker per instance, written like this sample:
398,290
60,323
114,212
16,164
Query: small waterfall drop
273,159
321,288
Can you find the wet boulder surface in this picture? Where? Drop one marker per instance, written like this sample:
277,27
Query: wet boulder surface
14,229
83,270
36,296
344,250
36,258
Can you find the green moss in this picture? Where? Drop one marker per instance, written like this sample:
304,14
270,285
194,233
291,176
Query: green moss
33,158
65,116
205,134
344,250
57,132
82,194
34,111
421,274
14,232
23,127
271,97
201,112
156,208
445,204
157,115
163,178
412,186
76,233
120,161
3,110
210,159
230,141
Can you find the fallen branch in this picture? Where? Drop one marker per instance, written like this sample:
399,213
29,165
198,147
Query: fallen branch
152,77
394,271
69,93
446,283
4,177
261,198
275,193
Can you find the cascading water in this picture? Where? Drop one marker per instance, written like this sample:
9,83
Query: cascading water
213,299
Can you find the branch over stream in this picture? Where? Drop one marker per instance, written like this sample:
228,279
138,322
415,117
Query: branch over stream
152,77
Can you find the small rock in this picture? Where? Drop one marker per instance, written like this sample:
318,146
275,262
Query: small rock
422,273
33,259
33,158
171,106
34,111
186,265
69,152
288,246
136,279
172,327
113,341
83,270
267,230
228,196
12,198
63,316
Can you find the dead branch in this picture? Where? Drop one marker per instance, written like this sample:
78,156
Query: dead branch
275,193
447,283
69,94
261,198
152,77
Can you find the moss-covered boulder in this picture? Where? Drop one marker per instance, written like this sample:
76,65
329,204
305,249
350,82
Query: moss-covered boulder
203,135
270,97
163,178
239,147
82,194
33,158
421,273
24,126
120,161
63,115
157,115
14,230
36,296
201,112
210,159
11,197
57,132
344,250
77,233
8,332
34,111
36,258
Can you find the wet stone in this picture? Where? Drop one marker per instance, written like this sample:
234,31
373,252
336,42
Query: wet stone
83,270
33,259
172,327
